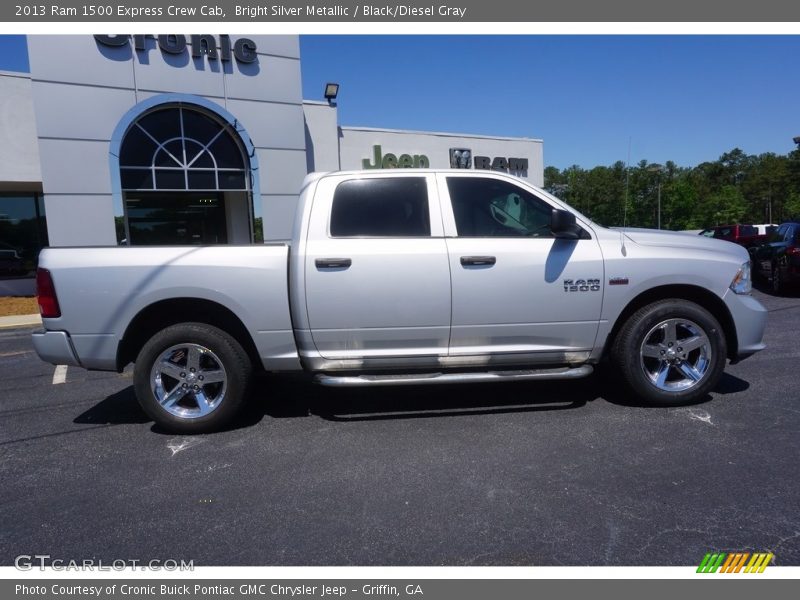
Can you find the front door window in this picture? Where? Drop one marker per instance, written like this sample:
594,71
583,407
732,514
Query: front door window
495,208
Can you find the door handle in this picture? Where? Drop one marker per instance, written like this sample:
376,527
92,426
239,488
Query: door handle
478,261
333,263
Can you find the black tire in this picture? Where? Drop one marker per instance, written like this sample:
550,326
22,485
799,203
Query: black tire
776,280
661,372
755,272
192,378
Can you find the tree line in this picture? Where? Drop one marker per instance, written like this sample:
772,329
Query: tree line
736,188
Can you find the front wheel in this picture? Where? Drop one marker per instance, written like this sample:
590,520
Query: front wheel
671,352
192,378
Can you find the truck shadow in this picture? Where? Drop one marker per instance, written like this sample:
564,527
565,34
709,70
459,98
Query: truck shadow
120,408
728,384
290,399
296,399
287,398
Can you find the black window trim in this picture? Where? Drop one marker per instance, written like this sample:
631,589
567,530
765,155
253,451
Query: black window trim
423,176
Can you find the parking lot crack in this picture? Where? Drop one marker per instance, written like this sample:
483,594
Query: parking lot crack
180,446
697,414
783,540
663,532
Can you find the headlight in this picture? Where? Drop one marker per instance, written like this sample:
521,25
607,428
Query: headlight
742,284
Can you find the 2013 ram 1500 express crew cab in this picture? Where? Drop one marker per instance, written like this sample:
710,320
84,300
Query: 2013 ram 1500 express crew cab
404,277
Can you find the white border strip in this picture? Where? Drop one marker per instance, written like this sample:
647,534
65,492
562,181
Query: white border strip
309,573
482,28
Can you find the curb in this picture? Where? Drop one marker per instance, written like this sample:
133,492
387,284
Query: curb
20,321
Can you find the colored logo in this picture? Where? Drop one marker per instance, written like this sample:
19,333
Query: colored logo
735,562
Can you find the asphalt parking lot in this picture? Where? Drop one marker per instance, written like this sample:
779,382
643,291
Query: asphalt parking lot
505,474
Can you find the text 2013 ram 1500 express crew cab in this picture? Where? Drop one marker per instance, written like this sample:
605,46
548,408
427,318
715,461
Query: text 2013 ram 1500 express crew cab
404,277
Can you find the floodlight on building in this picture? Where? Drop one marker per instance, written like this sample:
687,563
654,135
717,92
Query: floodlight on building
331,91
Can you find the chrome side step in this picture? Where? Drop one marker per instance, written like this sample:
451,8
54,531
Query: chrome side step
437,378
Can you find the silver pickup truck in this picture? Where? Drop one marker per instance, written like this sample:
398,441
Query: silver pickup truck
404,277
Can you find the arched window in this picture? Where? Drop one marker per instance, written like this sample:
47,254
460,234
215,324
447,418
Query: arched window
179,148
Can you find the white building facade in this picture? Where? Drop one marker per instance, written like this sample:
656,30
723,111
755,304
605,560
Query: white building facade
173,139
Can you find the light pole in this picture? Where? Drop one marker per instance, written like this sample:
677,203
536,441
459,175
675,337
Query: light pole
656,168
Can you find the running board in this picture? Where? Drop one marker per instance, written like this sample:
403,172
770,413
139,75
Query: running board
434,378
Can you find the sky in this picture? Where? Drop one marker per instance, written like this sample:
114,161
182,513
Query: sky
593,99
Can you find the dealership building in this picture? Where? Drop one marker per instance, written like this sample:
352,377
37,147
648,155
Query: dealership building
173,139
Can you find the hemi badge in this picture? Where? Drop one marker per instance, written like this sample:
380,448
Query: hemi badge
618,281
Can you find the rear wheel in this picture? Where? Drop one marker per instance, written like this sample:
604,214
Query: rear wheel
670,352
192,378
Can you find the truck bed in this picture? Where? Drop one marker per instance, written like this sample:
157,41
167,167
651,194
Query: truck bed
102,290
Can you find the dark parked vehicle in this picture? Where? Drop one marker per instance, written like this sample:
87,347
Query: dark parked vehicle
744,235
778,260
10,263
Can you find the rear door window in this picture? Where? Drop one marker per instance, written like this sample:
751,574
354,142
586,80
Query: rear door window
381,207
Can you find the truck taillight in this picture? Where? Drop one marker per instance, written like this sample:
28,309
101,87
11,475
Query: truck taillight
46,295
793,251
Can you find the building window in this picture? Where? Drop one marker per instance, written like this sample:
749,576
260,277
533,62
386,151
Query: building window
176,148
23,233
185,179
162,218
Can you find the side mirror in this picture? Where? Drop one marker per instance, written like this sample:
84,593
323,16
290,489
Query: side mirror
563,225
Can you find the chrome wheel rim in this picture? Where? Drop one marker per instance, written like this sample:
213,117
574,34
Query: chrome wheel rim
675,355
188,381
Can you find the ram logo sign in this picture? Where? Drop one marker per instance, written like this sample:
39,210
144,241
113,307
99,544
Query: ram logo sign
464,158
460,158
